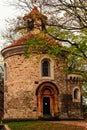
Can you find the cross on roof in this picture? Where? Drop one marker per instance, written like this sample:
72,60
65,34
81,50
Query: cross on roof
35,2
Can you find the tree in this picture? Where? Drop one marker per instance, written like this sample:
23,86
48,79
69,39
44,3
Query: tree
67,23
68,16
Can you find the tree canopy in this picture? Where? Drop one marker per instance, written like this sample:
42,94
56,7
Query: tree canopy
67,23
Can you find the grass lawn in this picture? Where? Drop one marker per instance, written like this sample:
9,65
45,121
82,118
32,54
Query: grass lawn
41,125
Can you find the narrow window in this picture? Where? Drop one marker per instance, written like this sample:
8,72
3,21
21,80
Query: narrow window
45,68
76,94
5,71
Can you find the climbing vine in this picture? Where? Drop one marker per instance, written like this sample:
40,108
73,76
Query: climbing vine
43,45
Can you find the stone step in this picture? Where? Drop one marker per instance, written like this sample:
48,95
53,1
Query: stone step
49,118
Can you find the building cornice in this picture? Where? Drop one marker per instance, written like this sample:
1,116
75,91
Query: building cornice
16,50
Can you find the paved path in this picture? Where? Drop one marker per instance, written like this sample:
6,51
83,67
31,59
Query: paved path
75,123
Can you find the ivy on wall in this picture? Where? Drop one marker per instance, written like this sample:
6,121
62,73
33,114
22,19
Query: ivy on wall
42,44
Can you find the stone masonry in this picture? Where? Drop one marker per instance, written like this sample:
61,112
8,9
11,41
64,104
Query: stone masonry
23,79
20,87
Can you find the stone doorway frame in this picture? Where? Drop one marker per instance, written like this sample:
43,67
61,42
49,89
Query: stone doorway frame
47,89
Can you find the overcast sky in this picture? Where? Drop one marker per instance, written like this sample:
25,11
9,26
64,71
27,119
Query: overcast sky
6,12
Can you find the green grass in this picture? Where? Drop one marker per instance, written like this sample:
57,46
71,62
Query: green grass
41,125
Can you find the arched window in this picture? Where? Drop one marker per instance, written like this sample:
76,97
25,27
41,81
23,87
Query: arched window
76,94
45,67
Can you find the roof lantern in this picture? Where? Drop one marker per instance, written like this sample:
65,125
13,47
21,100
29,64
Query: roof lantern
35,20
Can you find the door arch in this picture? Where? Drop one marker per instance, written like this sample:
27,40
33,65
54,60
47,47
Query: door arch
47,98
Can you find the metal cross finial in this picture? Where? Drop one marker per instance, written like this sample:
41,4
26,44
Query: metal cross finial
35,2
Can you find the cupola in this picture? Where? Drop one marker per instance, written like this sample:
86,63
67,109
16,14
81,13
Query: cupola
35,21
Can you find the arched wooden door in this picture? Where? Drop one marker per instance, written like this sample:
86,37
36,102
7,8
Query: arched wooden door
47,99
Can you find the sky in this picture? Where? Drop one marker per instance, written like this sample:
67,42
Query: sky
6,12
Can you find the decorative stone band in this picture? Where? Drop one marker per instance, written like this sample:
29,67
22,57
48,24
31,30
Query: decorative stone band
7,52
74,77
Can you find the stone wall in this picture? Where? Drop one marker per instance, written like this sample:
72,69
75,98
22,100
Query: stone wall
1,102
24,77
70,105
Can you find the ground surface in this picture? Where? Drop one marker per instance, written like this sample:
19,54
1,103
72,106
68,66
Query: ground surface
75,123
48,125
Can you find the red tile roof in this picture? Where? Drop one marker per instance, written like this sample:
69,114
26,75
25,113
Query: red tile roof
22,40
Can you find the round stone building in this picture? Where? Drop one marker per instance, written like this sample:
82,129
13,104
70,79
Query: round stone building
36,86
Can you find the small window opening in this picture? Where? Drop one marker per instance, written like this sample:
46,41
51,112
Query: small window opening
76,94
5,71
